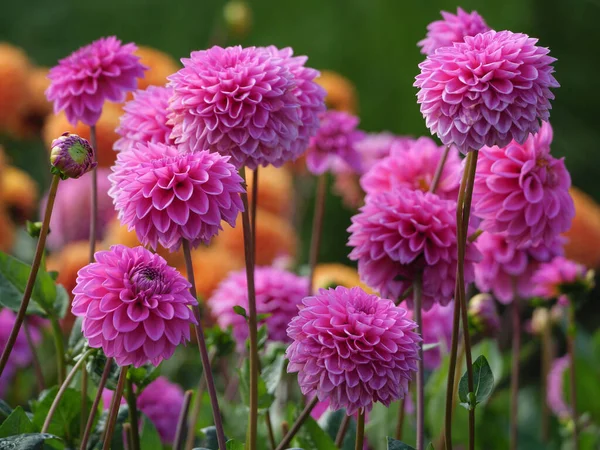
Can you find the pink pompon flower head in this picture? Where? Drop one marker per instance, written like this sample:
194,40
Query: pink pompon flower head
521,190
452,28
400,233
352,348
414,166
555,395
240,102
161,402
134,306
71,156
145,119
278,293
559,277
168,197
488,90
505,268
102,71
334,145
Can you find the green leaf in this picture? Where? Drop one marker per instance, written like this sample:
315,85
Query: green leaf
16,423
95,367
241,311
312,437
77,341
430,346
273,372
393,444
234,445
263,335
5,409
208,438
13,279
430,446
149,437
67,418
143,376
483,383
331,421
265,399
220,341
29,441
62,301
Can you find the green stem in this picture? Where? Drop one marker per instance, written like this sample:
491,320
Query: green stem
514,381
439,169
114,409
571,335
191,432
417,297
94,196
341,434
297,424
133,415
317,229
360,430
59,343
84,398
401,414
183,413
97,399
39,252
37,367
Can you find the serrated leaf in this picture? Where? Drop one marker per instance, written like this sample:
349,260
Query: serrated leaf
393,444
16,423
483,383
29,441
149,437
67,417
312,437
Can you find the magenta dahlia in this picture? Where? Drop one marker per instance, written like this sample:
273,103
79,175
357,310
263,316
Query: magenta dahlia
240,102
145,119
278,293
134,306
102,71
453,28
555,397
352,348
505,268
488,90
334,144
167,196
402,232
414,167
552,279
521,190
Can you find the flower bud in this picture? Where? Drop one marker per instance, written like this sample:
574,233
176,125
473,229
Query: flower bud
71,156
483,315
238,17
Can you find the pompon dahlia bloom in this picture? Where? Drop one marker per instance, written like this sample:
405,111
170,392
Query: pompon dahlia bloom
555,397
145,119
240,102
167,196
414,167
488,90
278,293
401,232
522,191
334,144
504,266
134,306
352,348
102,71
553,278
453,28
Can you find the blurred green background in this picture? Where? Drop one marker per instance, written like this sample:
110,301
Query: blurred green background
371,42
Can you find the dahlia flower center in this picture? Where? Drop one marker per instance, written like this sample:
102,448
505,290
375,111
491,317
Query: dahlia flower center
147,278
423,184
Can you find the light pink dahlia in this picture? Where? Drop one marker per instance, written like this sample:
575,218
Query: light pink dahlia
145,119
552,279
167,196
70,219
414,167
555,396
521,190
488,90
334,144
504,267
102,71
278,293
134,306
240,102
352,348
401,232
453,28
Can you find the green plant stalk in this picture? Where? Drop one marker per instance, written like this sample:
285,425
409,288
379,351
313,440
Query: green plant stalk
84,398
59,343
37,367
547,356
94,196
297,424
360,430
571,335
133,415
439,170
35,266
417,297
514,380
95,404
114,409
341,434
317,229
183,413
191,432
400,423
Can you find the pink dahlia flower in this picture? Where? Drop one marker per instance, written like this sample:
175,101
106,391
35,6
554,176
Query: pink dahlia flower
401,232
505,267
352,348
414,167
334,145
240,102
555,397
102,71
167,196
453,28
523,191
278,293
70,219
553,278
134,306
145,119
488,90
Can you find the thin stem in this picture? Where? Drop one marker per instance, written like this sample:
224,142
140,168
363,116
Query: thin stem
297,424
459,364
92,416
191,432
183,413
63,389
360,430
84,398
206,366
341,434
317,229
94,194
39,375
133,415
514,382
39,252
270,432
417,297
59,343
571,334
253,211
252,322
114,409
547,356
439,170
128,436
401,415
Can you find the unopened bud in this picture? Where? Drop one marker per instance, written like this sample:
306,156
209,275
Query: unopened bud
238,17
71,156
483,315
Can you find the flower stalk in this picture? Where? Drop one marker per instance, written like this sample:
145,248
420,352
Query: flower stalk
417,297
114,409
360,430
94,194
180,430
297,424
514,380
133,415
92,415
317,229
571,335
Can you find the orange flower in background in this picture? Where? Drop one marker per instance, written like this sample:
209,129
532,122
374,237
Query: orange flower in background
105,131
336,274
7,231
341,93
275,190
160,66
583,243
19,193
30,120
275,238
14,69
